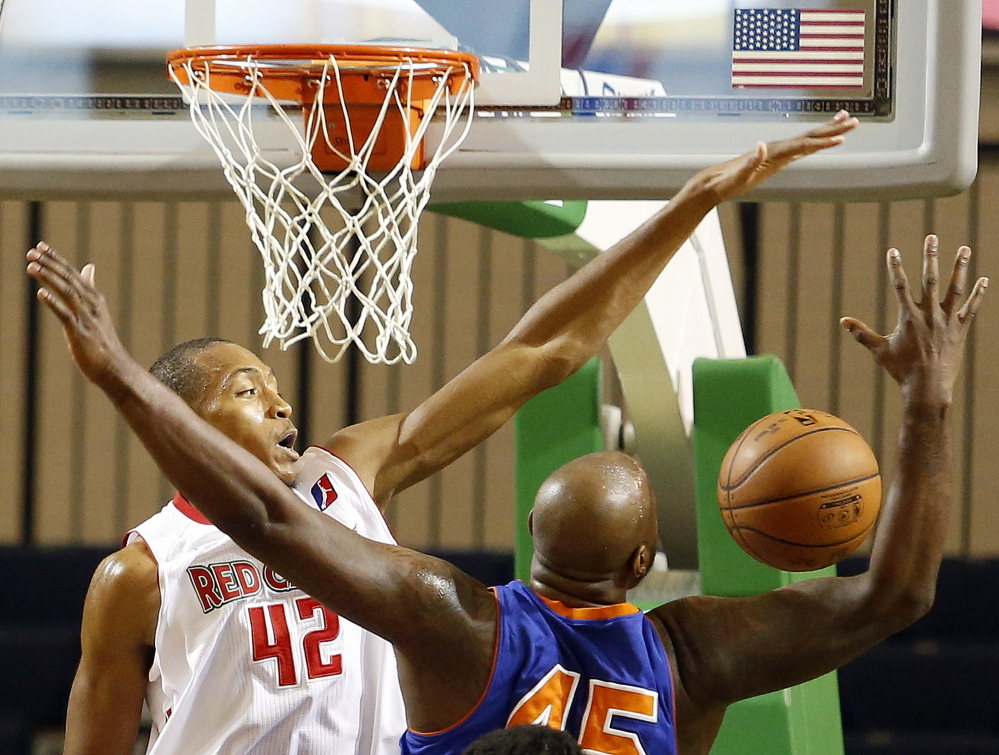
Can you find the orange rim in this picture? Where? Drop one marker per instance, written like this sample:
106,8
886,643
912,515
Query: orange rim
292,72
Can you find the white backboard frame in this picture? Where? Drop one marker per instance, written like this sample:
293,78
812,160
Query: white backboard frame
929,147
539,85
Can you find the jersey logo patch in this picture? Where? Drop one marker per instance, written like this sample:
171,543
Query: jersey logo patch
323,492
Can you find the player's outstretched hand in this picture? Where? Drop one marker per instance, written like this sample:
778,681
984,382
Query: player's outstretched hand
81,309
734,178
924,352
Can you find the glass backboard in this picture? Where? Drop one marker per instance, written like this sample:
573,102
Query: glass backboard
580,99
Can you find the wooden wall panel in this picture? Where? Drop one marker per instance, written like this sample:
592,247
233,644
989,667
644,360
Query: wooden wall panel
817,279
144,490
408,385
177,270
59,419
494,522
951,220
450,512
191,295
728,216
777,302
855,371
239,265
13,314
984,378
98,485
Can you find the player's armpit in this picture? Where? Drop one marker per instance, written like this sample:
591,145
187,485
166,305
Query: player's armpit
392,453
119,625
470,408
447,652
368,448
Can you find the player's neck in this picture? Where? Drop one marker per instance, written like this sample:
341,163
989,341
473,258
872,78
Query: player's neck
572,591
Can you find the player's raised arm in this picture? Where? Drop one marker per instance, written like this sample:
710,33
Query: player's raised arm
440,621
729,649
564,329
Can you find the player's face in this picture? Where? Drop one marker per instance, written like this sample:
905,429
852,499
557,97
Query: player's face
242,400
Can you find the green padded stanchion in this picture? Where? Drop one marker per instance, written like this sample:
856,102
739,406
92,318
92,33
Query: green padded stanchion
553,428
729,395
530,219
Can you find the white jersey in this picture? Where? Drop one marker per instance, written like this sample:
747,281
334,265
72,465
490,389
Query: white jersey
244,661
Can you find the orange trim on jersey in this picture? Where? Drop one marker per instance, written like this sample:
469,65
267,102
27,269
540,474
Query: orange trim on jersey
590,612
489,683
188,510
672,676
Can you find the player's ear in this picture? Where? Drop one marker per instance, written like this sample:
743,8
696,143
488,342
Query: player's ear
641,562
530,522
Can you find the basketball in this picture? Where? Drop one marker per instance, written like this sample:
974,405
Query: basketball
799,490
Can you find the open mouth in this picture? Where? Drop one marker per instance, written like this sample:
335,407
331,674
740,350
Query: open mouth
288,441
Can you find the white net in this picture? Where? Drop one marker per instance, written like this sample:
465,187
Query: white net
337,247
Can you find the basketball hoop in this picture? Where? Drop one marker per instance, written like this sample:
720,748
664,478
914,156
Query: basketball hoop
360,154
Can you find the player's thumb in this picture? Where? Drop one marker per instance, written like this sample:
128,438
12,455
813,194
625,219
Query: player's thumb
89,274
864,335
757,160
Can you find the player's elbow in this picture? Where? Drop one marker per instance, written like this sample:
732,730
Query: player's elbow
530,368
914,603
257,526
902,605
254,534
556,369
553,362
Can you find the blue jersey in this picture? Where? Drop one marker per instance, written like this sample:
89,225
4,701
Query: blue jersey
599,673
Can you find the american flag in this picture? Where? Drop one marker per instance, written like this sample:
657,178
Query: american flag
798,47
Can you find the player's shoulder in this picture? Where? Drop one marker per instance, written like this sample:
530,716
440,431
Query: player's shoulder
126,574
368,447
123,602
661,618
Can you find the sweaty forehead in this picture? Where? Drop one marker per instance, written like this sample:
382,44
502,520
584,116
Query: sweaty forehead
224,361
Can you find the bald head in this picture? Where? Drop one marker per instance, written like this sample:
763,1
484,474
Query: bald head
593,515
